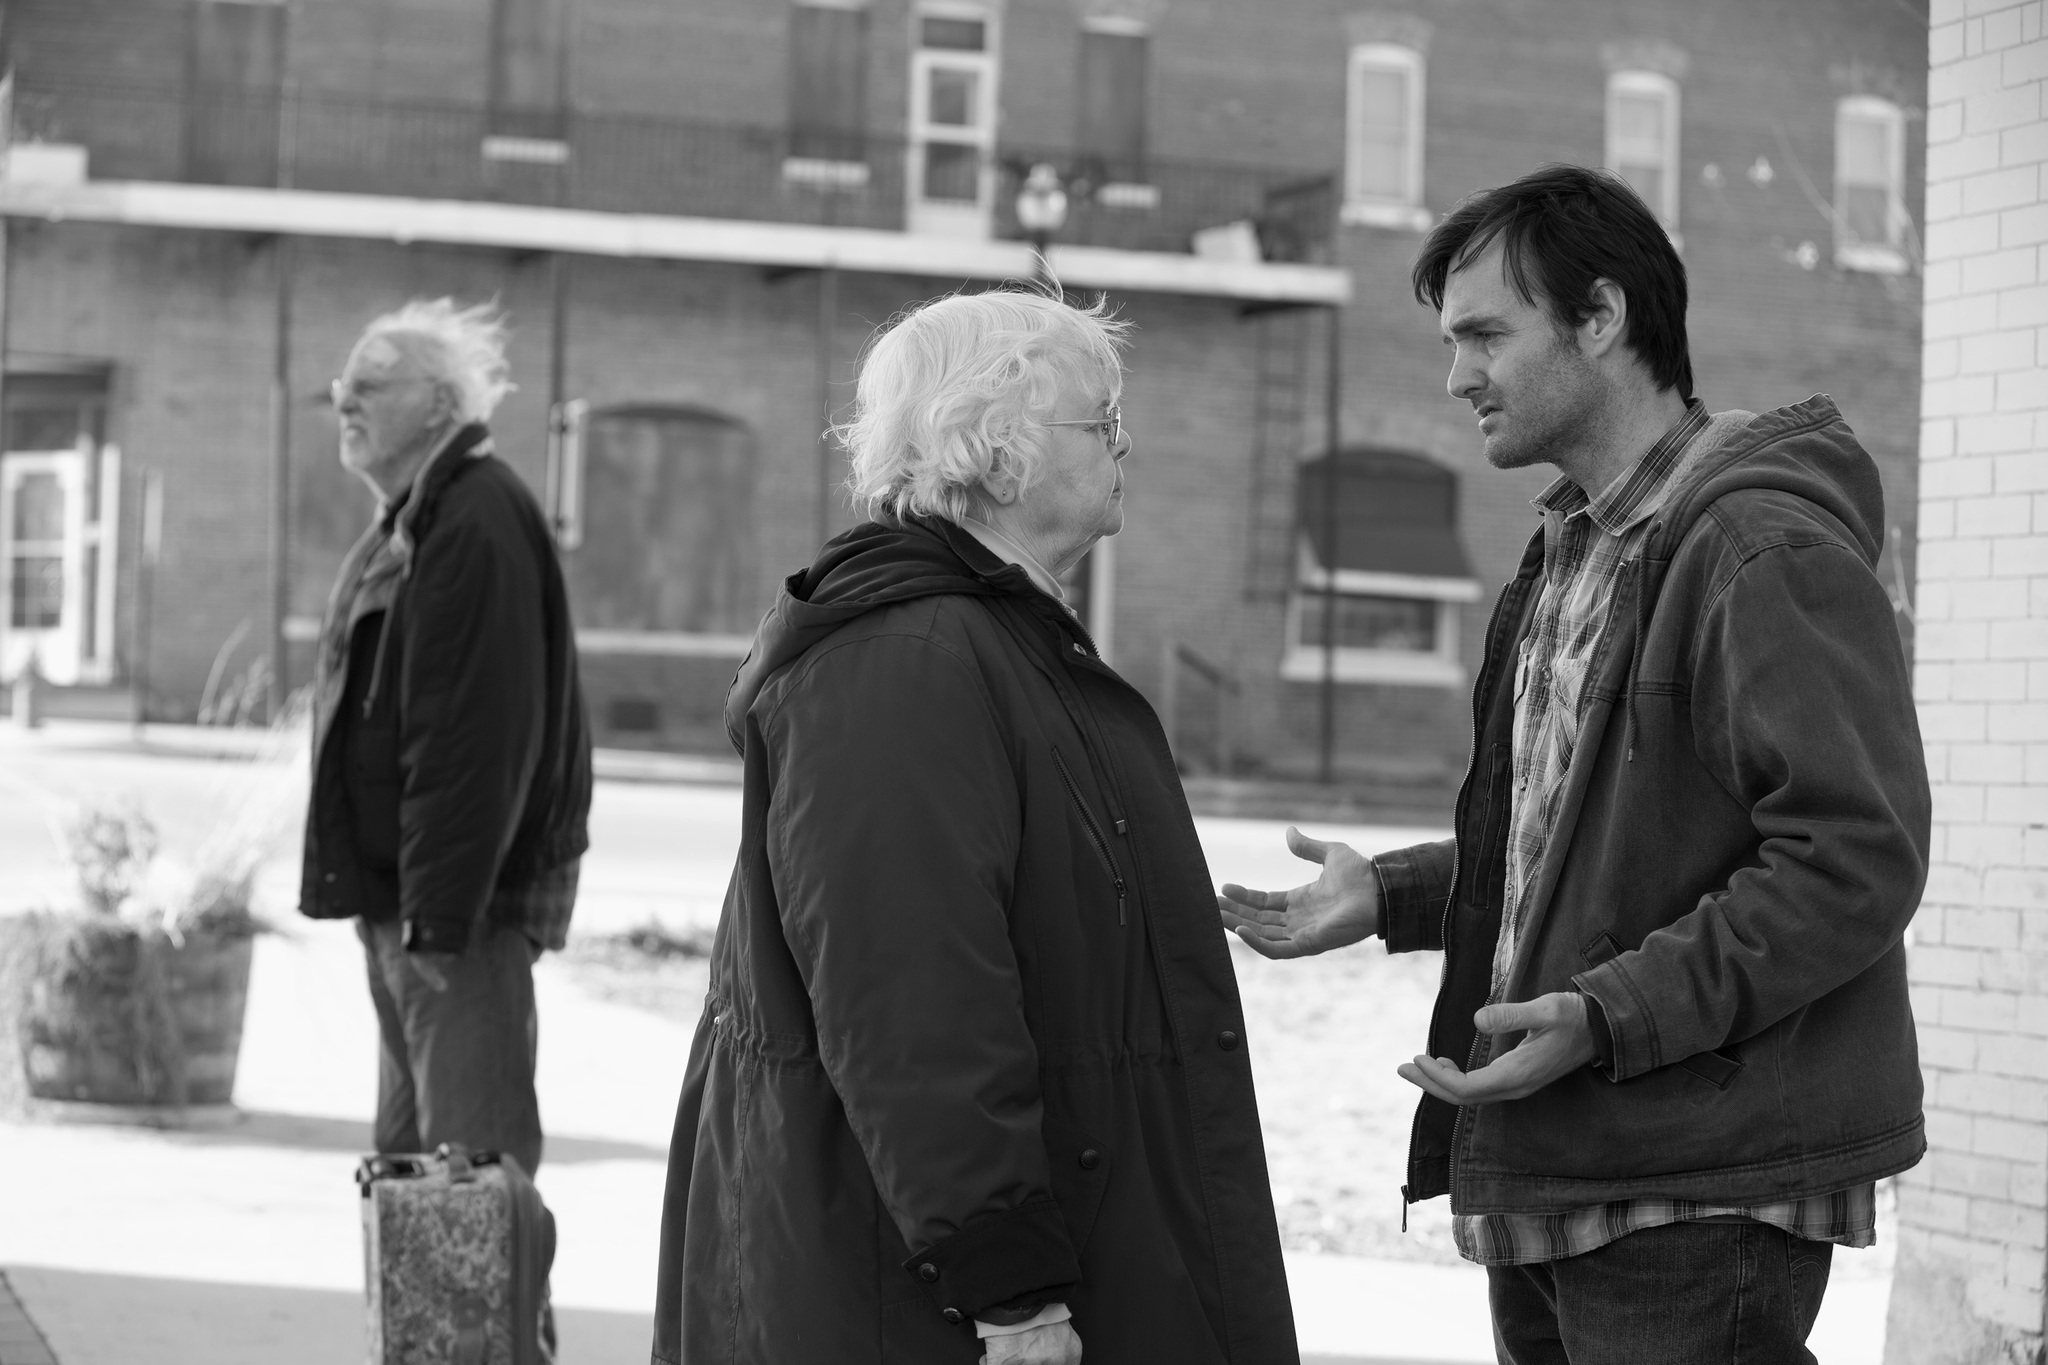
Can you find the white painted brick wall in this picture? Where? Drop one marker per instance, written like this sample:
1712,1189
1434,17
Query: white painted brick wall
1974,1215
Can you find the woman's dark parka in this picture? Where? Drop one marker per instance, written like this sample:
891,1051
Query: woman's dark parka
973,1036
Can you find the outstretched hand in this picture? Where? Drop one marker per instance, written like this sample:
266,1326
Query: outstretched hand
1055,1343
1559,1041
1339,907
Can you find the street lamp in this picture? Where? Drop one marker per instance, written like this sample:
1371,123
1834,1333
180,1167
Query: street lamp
1042,212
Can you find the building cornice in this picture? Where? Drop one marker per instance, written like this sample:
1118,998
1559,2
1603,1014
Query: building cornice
587,232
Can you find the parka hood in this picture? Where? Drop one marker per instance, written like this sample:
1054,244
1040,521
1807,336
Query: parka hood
876,564
1806,450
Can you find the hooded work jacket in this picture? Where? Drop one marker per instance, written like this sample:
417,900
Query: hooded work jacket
1740,844
972,1037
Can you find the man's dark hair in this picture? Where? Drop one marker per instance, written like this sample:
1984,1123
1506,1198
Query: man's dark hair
1561,228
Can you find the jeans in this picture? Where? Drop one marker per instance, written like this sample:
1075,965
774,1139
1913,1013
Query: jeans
456,1065
1721,1293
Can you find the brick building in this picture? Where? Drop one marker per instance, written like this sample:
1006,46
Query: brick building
1973,1235
695,214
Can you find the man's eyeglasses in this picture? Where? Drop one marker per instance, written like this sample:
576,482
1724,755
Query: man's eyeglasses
1111,424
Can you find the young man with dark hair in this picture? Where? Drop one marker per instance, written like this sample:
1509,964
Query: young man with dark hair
1672,1052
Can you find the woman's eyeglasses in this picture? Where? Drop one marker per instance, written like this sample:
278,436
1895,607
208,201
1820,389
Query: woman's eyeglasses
1111,424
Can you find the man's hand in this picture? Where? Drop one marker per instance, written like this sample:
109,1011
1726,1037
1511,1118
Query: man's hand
1338,908
429,969
1560,1041
1056,1343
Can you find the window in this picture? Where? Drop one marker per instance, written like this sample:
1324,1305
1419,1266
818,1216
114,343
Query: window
1115,64
1870,175
1391,606
1383,138
526,78
828,53
1642,139
952,121
668,545
60,490
237,73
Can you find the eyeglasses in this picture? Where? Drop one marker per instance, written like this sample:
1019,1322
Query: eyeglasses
1111,424
341,390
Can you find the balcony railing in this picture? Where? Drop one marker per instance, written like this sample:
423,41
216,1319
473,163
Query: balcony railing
629,163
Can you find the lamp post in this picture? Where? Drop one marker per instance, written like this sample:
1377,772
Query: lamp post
1042,212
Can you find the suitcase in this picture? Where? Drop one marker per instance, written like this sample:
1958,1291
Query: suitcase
456,1251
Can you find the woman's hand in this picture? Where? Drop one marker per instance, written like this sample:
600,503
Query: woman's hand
1338,908
1056,1343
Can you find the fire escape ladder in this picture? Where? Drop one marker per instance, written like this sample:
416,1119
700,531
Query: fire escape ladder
1280,390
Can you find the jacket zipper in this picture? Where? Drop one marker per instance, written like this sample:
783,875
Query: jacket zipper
1095,835
1450,901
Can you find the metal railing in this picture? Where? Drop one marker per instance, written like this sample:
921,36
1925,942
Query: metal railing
634,163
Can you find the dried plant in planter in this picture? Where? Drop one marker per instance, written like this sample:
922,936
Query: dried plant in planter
136,996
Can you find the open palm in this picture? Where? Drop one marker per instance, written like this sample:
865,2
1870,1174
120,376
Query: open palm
1339,907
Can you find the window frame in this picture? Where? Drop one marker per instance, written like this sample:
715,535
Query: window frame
1405,210
1440,667
943,217
830,173
1635,81
1889,256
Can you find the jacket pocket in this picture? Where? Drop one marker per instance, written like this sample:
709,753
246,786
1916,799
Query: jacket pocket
1717,1068
1097,837
1600,948
1080,1174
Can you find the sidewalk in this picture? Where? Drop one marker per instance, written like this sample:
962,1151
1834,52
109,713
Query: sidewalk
241,1245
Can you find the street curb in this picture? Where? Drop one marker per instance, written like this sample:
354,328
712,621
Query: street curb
21,1341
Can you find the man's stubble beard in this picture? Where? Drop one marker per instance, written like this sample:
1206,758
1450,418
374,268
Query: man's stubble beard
1569,411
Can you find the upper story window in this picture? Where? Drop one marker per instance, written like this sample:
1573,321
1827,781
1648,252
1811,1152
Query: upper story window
1642,138
1115,70
1383,137
1386,590
1870,177
236,65
953,70
828,57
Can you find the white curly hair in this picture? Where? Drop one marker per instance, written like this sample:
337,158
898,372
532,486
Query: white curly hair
956,389
462,348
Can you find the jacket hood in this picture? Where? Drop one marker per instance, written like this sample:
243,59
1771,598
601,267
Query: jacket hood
874,565
1806,450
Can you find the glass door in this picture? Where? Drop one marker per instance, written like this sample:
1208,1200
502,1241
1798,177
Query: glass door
42,559
952,174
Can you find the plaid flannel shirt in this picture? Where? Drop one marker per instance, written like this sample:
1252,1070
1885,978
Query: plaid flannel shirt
1586,541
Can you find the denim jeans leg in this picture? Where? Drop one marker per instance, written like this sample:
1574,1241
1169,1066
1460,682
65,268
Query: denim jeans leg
1524,1303
397,1125
1733,1293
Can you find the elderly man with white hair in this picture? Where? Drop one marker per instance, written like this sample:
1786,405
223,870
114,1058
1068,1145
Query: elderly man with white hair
971,1079
451,757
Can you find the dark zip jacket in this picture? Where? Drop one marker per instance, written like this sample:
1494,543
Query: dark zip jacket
451,755
1740,845
972,1038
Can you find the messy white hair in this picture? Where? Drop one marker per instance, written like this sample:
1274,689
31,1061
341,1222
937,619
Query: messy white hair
958,389
462,348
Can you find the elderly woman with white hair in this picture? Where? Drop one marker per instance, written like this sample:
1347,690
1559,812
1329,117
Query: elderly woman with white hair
451,759
971,1079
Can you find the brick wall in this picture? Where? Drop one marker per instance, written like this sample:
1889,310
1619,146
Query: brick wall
1974,1215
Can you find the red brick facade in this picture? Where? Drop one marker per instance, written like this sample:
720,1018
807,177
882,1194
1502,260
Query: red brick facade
186,318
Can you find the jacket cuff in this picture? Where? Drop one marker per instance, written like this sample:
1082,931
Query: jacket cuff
435,936
1603,1036
998,1259
1632,1043
1414,887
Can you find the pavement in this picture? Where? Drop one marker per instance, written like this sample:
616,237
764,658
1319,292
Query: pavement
237,1241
